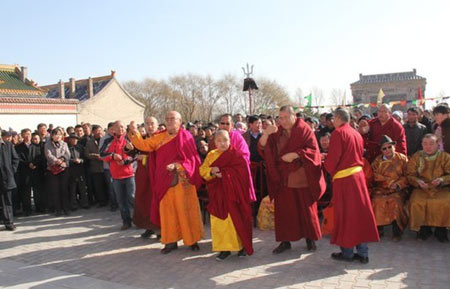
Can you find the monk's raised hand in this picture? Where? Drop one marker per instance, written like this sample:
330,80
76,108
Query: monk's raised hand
133,127
270,129
363,127
289,157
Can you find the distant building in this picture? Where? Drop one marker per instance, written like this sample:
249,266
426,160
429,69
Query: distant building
24,105
396,87
101,99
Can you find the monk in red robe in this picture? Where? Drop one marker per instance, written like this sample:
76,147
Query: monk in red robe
354,221
228,180
294,177
383,124
144,194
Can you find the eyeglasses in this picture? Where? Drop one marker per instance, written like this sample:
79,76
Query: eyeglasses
385,148
225,123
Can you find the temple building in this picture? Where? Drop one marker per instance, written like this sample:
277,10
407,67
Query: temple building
401,88
101,99
24,105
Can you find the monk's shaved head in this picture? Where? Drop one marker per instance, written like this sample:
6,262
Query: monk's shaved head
287,108
222,133
173,121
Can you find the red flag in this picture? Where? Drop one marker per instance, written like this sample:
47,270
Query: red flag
420,96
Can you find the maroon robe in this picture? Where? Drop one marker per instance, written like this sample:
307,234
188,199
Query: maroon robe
392,129
295,206
354,221
181,149
230,194
143,196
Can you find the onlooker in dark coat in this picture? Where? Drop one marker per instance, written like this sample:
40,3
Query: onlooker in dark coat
9,161
77,174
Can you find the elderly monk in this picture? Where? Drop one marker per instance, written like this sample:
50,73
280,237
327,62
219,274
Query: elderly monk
175,179
144,193
390,189
429,172
354,222
383,124
294,177
228,180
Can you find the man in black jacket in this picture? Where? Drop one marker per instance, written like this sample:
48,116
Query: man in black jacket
28,177
9,161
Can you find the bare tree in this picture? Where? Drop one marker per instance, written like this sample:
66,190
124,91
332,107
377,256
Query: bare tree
338,96
317,96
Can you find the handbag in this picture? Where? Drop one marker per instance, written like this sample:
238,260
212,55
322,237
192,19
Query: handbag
56,169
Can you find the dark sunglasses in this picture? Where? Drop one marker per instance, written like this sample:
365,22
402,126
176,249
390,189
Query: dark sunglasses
225,123
385,148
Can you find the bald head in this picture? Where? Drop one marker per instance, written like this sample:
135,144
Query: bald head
173,121
384,113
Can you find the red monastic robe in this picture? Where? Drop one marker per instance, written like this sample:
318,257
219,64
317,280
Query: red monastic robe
354,221
294,186
230,194
143,196
182,150
392,128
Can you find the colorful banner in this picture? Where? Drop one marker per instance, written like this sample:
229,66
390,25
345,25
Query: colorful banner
374,104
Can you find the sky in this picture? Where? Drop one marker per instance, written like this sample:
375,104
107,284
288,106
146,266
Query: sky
300,44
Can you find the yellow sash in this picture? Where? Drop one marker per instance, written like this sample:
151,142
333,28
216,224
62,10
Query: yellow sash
347,172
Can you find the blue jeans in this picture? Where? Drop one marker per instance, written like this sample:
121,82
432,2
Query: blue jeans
110,187
125,189
362,250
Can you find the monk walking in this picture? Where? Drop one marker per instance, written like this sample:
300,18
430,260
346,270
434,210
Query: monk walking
228,180
354,221
295,179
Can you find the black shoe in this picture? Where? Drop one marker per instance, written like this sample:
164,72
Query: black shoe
113,209
125,227
242,253
66,212
223,255
380,231
147,234
424,233
10,227
340,257
311,245
441,234
169,248
282,247
195,247
87,207
361,259
58,213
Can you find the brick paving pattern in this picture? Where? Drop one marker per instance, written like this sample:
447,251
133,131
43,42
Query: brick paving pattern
87,250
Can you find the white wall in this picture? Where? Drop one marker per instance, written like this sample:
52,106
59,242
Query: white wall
20,121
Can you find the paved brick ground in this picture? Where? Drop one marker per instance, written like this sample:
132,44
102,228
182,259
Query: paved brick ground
87,250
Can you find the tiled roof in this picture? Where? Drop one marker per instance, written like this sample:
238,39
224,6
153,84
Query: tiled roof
37,100
12,85
388,77
81,88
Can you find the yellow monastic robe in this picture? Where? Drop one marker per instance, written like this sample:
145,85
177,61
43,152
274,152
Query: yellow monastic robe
429,207
223,234
388,204
179,208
